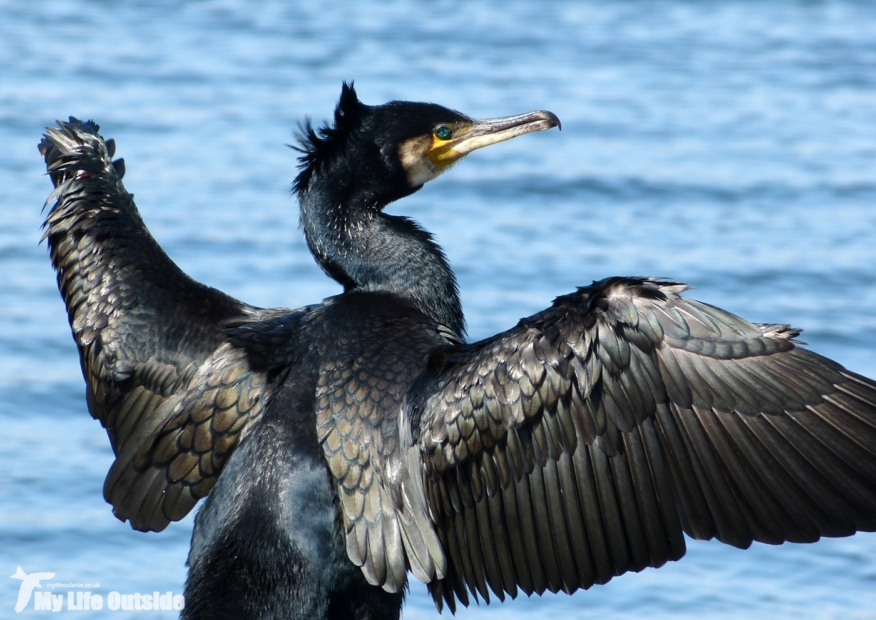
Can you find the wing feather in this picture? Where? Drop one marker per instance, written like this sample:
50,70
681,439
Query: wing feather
622,416
173,395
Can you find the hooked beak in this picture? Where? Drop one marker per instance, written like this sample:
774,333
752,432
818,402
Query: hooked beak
481,133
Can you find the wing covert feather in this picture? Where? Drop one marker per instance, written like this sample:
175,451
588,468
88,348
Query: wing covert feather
359,398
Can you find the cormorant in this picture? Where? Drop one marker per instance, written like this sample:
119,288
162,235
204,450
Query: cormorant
346,443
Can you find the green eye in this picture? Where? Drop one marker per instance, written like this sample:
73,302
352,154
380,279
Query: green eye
443,132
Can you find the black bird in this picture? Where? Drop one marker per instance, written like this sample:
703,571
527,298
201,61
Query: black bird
346,443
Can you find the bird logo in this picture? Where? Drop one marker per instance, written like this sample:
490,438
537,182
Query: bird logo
28,583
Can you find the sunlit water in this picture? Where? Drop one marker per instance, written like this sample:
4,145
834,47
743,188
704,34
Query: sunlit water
729,145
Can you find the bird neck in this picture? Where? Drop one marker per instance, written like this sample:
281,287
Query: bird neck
365,249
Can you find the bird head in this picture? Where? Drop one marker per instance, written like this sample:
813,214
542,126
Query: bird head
388,151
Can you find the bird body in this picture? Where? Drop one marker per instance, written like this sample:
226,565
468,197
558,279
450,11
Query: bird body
291,464
342,445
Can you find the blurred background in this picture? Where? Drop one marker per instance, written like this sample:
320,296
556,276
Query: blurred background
730,145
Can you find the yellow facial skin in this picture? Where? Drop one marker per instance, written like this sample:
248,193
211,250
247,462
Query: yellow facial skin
425,157
442,152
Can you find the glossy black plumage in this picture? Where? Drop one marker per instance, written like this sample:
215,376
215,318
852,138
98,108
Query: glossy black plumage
361,438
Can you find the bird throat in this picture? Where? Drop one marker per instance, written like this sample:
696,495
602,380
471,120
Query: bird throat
366,250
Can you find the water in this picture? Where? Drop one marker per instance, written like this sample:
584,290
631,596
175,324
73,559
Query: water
729,144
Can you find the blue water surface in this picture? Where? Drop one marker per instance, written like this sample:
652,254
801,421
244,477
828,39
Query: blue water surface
731,145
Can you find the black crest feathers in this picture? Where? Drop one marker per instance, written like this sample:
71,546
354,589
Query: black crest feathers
320,145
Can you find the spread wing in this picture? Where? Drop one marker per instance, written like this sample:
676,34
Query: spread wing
173,394
582,443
